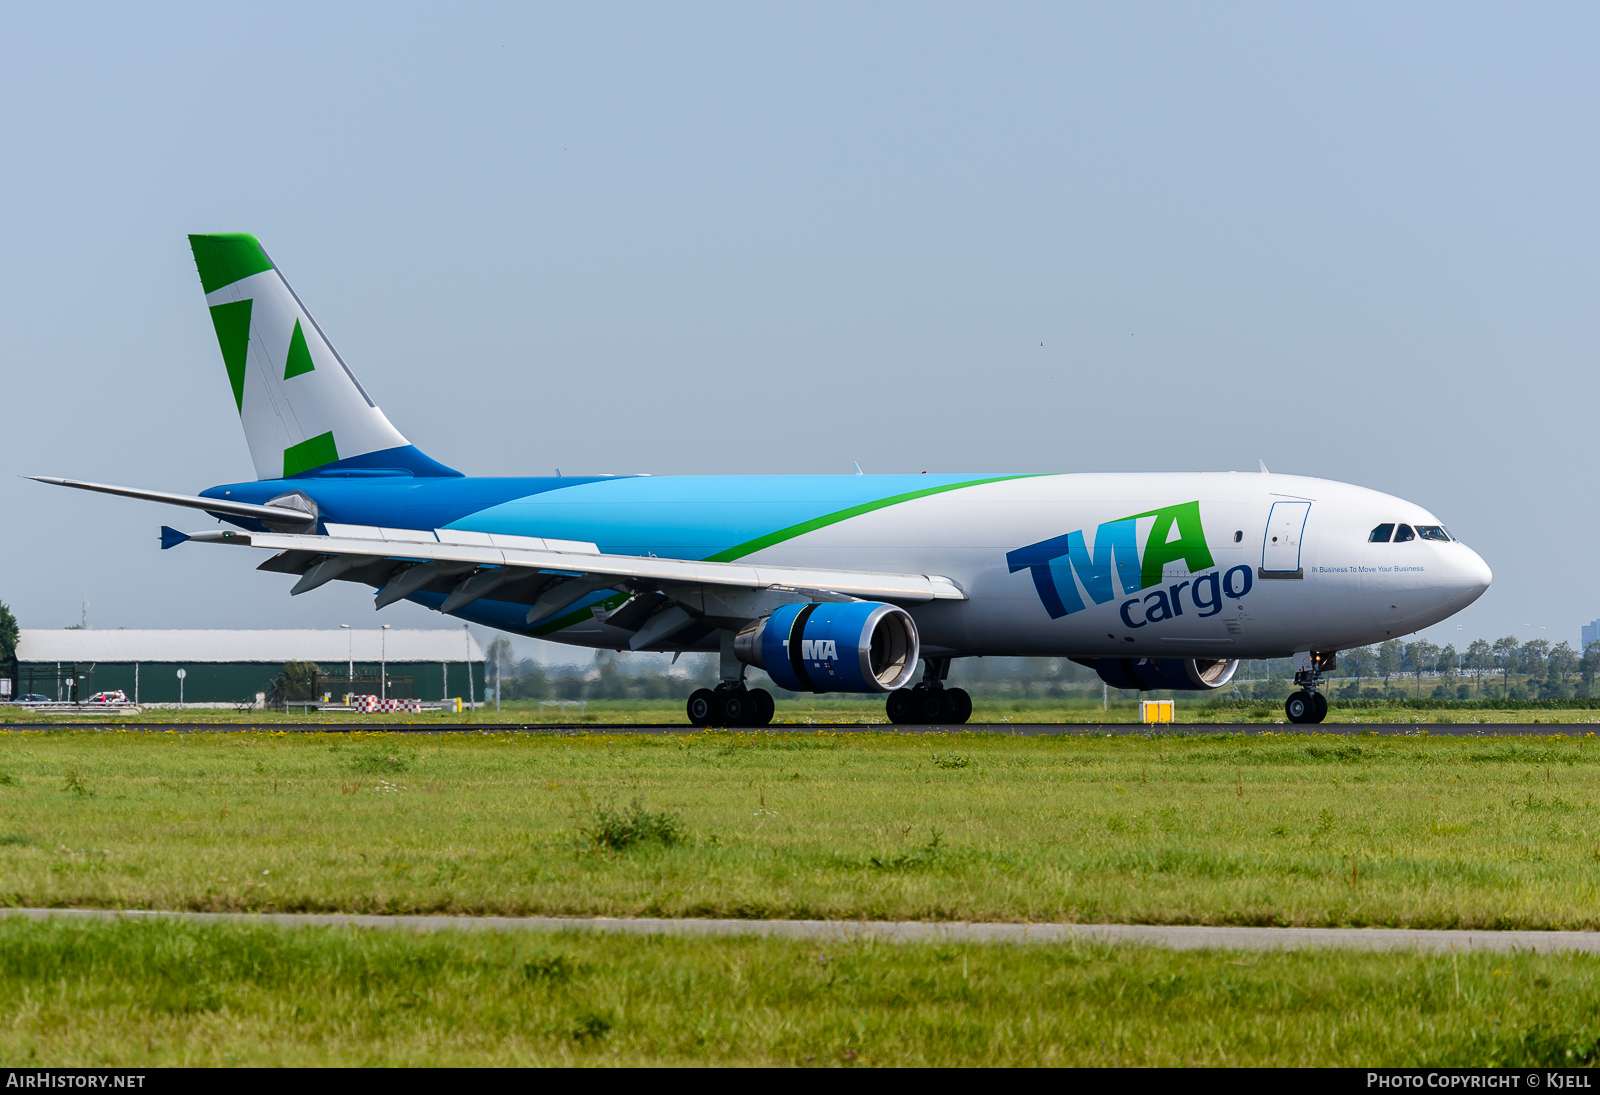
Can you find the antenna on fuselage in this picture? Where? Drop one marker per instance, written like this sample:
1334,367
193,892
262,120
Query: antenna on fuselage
1263,464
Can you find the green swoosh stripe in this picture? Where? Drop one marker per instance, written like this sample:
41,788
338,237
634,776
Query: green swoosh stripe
577,616
561,623
752,546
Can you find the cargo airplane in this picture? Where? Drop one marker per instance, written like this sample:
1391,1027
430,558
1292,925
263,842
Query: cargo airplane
828,583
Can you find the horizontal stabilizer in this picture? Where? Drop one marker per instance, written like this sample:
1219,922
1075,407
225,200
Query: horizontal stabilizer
277,514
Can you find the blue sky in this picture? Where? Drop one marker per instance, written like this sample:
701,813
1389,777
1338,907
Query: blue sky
1355,241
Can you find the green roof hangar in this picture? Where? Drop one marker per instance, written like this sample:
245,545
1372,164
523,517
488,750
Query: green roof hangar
227,668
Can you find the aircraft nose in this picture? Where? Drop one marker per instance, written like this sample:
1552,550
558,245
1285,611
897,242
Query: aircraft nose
1469,577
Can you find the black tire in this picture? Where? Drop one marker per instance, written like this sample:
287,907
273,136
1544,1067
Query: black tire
704,707
761,707
898,708
1319,706
960,705
932,705
736,707
1298,707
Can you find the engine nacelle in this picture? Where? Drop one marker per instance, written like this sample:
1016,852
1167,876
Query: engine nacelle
1176,674
848,646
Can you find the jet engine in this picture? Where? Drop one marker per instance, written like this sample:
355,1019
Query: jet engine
848,646
1177,674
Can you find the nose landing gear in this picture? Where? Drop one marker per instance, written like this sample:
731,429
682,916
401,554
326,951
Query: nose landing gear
1308,705
929,702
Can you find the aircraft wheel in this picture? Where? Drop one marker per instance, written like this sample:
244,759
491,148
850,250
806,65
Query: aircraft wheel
704,707
1319,706
761,707
960,704
898,707
736,707
1299,708
931,705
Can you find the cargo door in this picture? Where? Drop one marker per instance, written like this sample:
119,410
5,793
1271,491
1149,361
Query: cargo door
1280,549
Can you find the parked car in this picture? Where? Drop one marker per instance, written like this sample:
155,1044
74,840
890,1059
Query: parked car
109,697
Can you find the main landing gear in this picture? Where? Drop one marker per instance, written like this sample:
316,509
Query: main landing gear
1308,705
929,702
730,704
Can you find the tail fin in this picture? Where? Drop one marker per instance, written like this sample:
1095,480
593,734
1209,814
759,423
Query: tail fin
303,410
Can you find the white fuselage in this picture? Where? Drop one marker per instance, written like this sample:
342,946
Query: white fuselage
1322,586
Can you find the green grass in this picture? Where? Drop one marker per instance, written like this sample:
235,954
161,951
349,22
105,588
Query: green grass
151,994
811,710
1221,829
1400,831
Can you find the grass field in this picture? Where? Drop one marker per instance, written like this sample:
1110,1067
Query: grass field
847,709
1396,831
139,994
1223,829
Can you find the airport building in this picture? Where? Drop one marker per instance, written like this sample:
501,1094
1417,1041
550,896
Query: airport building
240,666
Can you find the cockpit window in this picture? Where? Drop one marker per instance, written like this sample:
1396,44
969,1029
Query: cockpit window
1381,534
1432,532
1404,534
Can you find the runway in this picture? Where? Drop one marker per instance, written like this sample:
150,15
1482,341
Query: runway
1033,729
1185,937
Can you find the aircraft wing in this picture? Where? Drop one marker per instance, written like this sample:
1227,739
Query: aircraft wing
550,576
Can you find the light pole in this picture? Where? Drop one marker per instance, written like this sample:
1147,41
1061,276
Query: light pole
383,664
352,685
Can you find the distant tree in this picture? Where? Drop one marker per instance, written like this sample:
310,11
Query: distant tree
8,645
1419,657
1533,658
1505,660
1562,662
500,663
527,681
1391,659
1479,659
8,633
1587,666
1449,661
299,681
1358,663
500,653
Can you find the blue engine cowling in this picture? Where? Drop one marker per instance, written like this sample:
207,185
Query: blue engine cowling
1177,674
849,646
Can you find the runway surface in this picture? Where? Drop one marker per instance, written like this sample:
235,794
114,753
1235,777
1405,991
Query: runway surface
1033,729
1177,937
